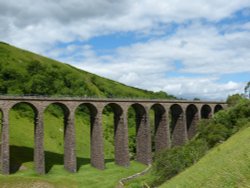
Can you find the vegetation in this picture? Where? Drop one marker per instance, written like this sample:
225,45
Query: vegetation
227,165
211,132
23,72
26,73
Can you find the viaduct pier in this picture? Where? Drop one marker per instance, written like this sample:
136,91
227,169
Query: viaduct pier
175,123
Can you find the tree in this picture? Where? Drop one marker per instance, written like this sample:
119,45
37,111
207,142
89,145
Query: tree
247,90
196,99
234,99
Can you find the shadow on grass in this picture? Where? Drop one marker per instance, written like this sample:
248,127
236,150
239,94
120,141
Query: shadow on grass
20,155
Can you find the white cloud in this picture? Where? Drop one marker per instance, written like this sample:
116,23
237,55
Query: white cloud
198,47
46,22
201,50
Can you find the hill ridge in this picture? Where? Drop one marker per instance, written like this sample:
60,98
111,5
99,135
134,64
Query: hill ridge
24,72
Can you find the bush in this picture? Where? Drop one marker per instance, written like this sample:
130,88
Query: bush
170,162
210,132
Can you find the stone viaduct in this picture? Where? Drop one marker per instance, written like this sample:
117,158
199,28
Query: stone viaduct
175,123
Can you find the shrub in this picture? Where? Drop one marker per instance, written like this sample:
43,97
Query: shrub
210,132
170,162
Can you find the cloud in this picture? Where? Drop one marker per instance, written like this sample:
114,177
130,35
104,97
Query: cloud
194,49
47,22
187,49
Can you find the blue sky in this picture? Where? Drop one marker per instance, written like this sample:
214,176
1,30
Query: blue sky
189,48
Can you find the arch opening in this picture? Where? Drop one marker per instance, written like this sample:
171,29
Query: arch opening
115,133
177,126
192,117
56,117
218,108
159,128
140,131
131,114
206,112
85,114
22,125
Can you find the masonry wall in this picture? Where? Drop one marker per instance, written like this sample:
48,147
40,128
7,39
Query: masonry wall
163,136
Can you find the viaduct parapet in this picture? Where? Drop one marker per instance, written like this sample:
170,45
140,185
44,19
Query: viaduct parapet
175,123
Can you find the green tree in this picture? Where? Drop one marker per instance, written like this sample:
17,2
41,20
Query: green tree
247,90
234,99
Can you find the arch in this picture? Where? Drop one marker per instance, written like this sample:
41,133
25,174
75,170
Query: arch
34,108
143,135
68,137
177,125
160,134
217,108
96,135
91,107
63,106
117,109
120,130
26,128
192,117
206,111
88,113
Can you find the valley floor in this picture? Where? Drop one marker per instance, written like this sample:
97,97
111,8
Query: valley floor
87,176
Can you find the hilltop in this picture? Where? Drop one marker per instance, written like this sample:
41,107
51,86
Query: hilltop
24,72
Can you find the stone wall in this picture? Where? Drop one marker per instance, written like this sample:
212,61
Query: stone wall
175,123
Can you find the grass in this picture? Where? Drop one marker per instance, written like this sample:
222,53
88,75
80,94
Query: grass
87,176
21,155
227,165
24,72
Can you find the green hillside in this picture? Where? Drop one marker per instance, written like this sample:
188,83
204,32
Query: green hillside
227,165
23,72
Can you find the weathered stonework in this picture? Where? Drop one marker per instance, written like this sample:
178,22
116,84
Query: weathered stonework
39,148
5,150
97,152
192,118
69,144
143,138
162,140
121,140
183,122
178,125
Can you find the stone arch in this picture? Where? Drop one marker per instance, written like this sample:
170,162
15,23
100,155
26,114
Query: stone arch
160,135
217,108
177,125
34,108
96,135
26,151
120,134
192,117
91,107
143,135
68,137
206,111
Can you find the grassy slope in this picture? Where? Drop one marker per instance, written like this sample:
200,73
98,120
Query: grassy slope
17,78
21,140
22,131
227,165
